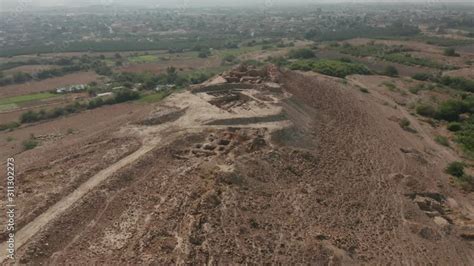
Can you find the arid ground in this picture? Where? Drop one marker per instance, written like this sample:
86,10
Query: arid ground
289,167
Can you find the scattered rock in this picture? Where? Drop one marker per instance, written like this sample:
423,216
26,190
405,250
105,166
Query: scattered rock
452,203
441,221
428,204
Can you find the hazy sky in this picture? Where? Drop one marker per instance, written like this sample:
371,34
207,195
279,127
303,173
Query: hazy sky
12,4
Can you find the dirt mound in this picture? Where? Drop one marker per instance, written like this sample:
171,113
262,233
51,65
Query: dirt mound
332,181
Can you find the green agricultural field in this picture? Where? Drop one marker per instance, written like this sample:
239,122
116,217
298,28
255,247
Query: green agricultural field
155,97
7,107
11,103
143,59
26,98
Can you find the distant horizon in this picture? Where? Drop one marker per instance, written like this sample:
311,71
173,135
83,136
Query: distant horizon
10,5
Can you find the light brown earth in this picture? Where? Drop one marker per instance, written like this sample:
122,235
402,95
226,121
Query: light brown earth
306,170
467,73
37,105
62,132
48,84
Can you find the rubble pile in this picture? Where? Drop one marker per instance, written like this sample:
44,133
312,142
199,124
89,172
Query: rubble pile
246,74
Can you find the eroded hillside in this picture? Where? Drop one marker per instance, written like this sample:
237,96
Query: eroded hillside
254,166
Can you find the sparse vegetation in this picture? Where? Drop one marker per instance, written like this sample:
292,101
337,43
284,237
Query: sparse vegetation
422,76
302,53
239,154
391,71
450,52
30,143
442,140
390,85
426,109
119,97
330,67
450,110
405,124
457,83
455,169
9,126
410,60
454,126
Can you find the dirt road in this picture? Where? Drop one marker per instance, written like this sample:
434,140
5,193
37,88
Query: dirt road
22,236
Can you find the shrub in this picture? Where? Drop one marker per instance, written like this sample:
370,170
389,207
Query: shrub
442,140
454,126
57,112
450,52
29,117
455,169
29,144
301,65
422,76
345,60
404,123
9,126
303,53
390,86
229,58
94,103
425,109
391,71
20,77
71,109
457,83
409,60
204,53
450,110
279,61
126,95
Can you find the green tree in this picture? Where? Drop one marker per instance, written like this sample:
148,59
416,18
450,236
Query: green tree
303,53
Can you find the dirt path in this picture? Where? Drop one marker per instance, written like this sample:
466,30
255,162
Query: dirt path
22,236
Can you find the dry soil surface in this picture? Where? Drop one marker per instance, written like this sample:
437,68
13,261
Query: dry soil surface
304,169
